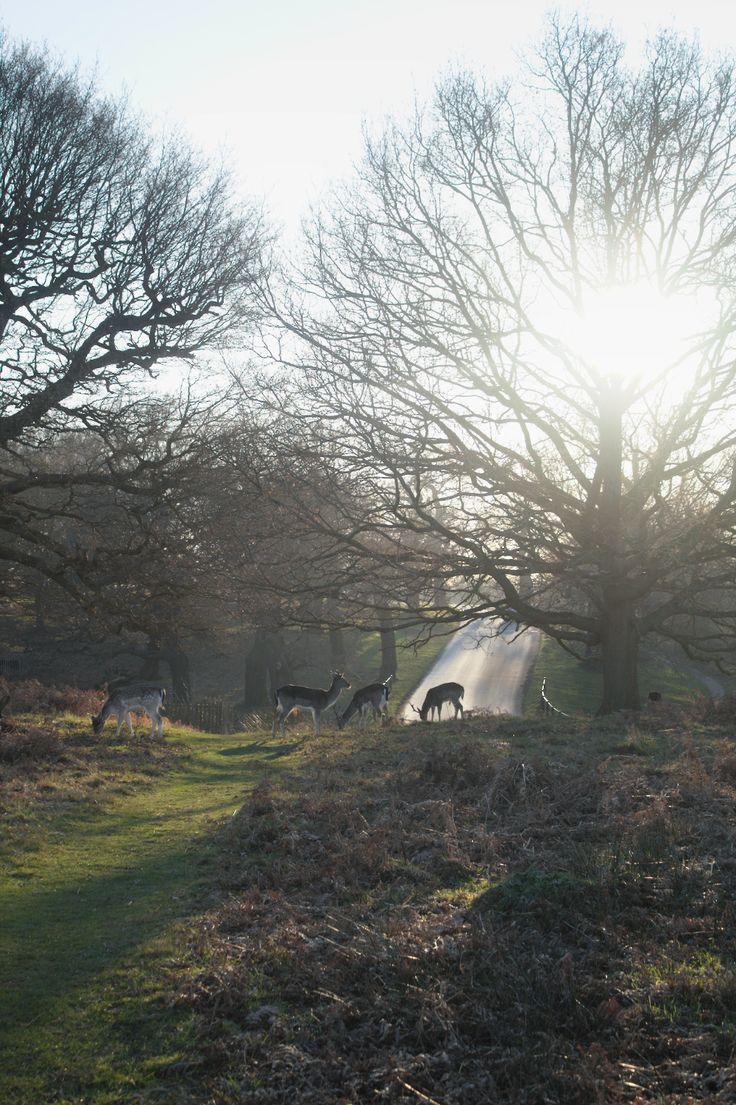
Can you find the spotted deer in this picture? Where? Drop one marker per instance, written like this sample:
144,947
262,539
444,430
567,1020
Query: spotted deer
371,699
145,698
291,697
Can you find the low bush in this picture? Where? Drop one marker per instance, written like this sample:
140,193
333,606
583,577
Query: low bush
29,743
29,696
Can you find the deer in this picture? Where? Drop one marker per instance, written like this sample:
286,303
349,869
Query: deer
146,698
373,698
437,696
290,698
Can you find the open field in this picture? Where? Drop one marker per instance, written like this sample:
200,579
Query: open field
498,910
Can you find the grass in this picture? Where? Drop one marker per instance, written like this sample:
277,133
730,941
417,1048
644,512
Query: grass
577,689
96,881
489,910
501,910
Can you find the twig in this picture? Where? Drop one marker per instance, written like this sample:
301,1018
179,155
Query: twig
423,1096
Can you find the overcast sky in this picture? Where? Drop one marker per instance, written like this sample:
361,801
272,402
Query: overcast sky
282,86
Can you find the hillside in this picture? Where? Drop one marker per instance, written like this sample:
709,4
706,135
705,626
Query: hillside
501,910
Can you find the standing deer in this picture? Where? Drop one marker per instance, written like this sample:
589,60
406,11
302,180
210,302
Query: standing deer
145,698
290,698
373,698
437,696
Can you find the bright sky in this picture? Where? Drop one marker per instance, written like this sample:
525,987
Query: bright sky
282,86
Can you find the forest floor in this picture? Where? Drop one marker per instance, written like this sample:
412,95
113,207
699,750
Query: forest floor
490,910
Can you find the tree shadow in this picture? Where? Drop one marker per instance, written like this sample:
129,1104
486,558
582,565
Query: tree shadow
263,748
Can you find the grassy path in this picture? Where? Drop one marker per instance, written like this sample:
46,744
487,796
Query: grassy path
86,925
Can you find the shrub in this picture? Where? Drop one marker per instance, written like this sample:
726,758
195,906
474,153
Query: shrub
29,696
29,743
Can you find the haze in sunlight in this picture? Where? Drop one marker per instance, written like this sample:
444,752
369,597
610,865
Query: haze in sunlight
281,89
637,334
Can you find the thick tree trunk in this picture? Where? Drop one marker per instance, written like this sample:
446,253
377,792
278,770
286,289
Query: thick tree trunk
263,669
620,659
151,662
619,633
389,664
181,676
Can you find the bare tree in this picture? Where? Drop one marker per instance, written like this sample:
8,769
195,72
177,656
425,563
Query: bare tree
502,467
118,253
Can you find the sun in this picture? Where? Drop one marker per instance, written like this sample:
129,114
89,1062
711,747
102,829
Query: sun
635,333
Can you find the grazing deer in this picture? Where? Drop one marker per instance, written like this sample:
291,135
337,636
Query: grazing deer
373,698
146,698
290,698
437,696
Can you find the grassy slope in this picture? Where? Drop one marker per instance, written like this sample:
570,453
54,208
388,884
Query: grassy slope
574,689
89,897
493,910
378,889
99,861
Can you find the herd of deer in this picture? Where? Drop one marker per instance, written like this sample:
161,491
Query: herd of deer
368,702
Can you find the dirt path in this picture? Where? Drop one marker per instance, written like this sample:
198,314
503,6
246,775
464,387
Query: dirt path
491,660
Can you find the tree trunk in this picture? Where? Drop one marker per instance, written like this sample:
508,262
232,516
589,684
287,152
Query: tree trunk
151,662
263,669
181,676
337,650
389,665
620,658
619,633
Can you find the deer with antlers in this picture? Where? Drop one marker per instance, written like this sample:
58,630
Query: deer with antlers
436,697
291,697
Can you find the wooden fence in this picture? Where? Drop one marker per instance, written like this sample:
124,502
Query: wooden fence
211,714
11,665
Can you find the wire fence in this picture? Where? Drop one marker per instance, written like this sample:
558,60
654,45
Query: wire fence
545,705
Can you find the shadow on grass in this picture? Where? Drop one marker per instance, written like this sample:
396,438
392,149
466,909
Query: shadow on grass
263,748
55,939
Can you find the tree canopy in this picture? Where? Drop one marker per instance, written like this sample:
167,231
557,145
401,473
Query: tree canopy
119,253
433,341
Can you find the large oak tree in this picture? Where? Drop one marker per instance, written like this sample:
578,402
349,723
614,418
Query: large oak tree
434,341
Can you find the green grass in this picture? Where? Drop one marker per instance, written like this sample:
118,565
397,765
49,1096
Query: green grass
577,689
148,938
90,905
106,856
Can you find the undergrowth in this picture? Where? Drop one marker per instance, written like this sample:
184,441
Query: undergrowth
492,912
